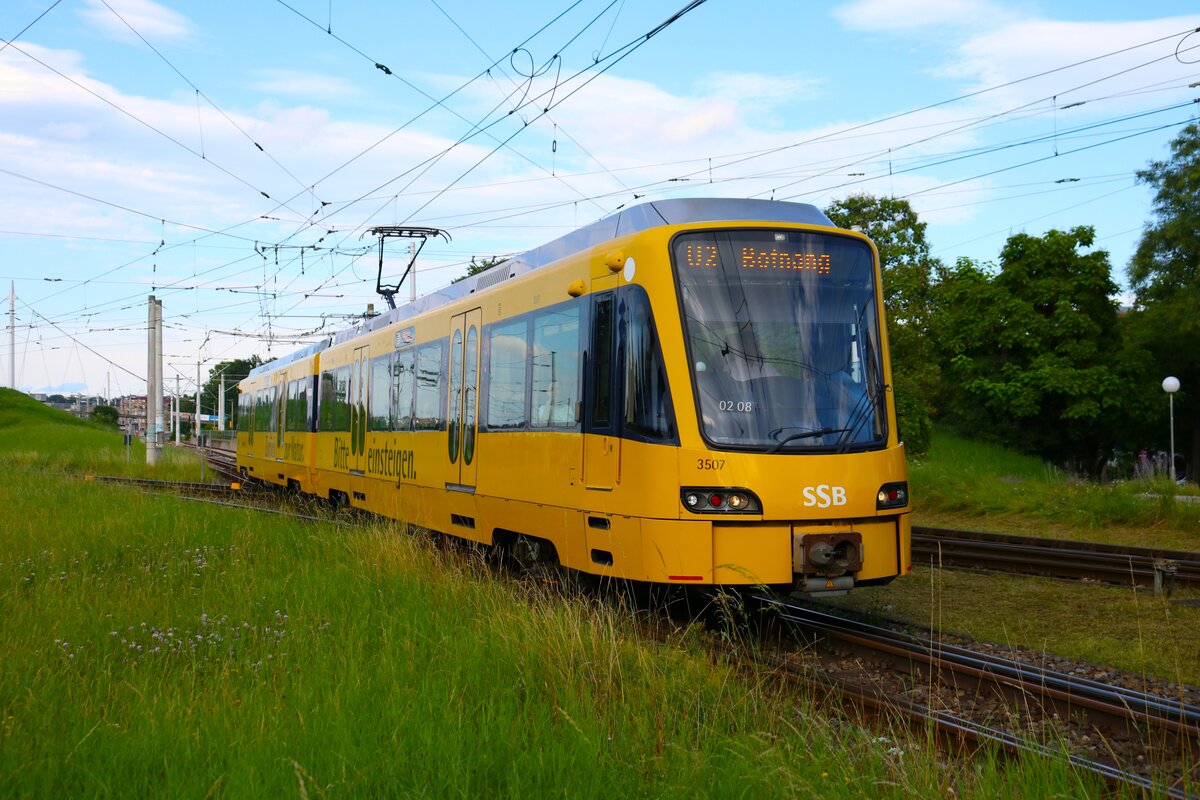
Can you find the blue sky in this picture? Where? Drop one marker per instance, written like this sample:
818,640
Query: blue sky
228,157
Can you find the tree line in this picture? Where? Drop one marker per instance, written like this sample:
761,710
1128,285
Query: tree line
1033,351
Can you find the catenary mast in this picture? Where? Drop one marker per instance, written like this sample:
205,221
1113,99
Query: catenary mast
12,334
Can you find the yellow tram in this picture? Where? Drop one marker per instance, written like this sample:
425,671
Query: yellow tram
689,392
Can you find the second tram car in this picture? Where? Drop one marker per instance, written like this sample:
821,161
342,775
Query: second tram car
689,392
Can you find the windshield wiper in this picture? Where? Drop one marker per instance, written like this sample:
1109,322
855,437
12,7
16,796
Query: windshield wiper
802,435
870,401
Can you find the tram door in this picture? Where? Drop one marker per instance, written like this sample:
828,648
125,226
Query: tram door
463,413
602,445
360,376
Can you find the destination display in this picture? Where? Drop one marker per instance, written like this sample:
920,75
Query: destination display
706,256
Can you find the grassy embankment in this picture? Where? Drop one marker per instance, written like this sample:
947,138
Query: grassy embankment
151,646
979,487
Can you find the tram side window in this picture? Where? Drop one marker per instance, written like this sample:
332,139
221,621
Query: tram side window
341,405
273,407
325,401
296,416
507,350
264,401
303,408
555,367
334,406
647,399
601,350
243,411
431,387
381,387
403,387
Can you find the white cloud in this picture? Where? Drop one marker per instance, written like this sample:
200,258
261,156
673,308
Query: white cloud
1026,47
756,89
153,21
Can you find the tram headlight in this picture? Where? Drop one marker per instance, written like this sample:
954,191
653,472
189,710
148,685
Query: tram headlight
702,500
892,495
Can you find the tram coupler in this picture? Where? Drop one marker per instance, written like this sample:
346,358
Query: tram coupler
825,563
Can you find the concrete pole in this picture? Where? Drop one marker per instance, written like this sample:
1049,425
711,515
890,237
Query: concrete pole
151,349
198,402
159,421
178,415
12,334
221,404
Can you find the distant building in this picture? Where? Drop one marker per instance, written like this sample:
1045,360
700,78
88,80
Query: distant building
132,412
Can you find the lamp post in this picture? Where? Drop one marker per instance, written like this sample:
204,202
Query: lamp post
1171,386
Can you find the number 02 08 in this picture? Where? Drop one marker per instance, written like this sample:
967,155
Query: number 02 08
744,406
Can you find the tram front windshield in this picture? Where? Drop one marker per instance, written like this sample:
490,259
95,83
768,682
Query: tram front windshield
783,339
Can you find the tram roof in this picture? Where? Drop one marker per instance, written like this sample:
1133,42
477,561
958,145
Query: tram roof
627,221
635,219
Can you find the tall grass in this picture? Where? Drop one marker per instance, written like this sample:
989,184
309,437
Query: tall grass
154,647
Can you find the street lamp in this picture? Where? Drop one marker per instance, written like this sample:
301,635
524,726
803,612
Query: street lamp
1171,386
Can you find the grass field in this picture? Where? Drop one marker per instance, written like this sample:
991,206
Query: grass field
155,647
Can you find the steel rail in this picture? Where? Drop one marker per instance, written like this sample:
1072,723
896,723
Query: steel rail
954,725
1057,558
276,511
223,461
182,486
1120,701
1127,708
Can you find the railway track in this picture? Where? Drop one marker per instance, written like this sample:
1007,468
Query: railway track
1130,737
1055,558
220,460
268,500
160,485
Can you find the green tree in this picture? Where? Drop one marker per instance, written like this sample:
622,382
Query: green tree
1031,348
907,296
231,372
1165,274
108,416
482,265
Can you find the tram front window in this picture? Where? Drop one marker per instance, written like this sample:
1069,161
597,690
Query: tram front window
783,337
